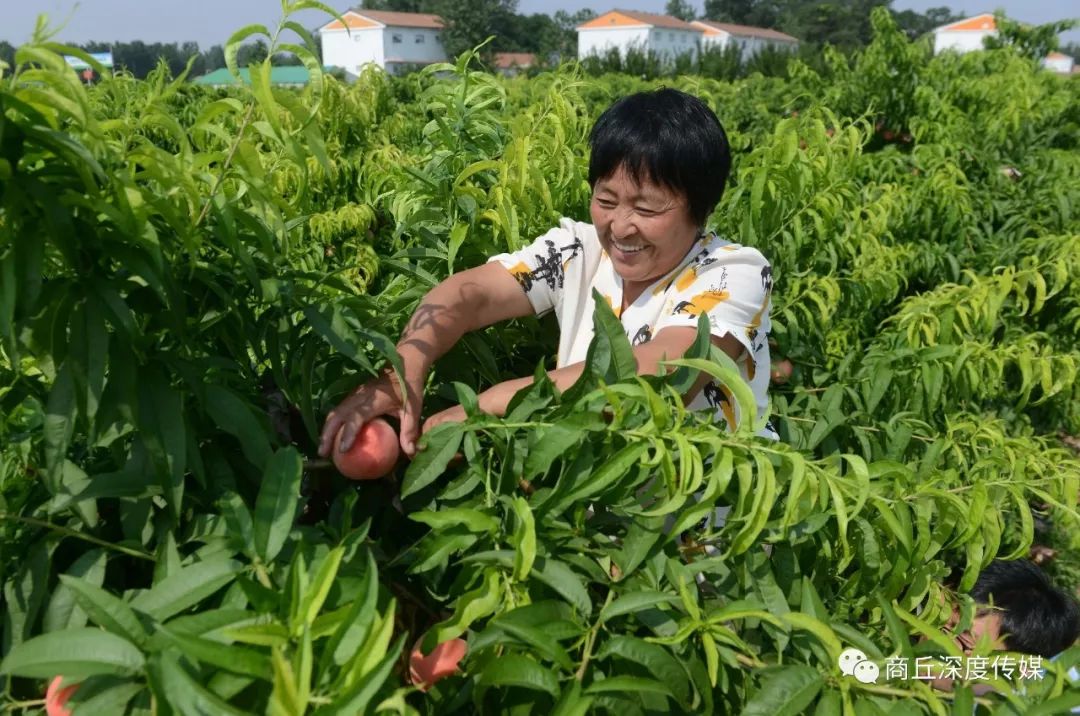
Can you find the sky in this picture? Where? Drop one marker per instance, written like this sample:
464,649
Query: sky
210,22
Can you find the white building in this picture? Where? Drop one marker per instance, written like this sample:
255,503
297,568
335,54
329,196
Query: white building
749,40
1060,63
965,35
968,34
664,35
391,40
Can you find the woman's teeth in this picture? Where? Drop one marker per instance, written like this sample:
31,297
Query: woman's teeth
626,248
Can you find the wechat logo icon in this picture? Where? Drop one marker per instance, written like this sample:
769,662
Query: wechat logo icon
853,662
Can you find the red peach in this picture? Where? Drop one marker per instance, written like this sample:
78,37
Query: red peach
425,671
372,454
56,698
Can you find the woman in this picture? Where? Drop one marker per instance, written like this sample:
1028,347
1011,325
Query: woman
658,166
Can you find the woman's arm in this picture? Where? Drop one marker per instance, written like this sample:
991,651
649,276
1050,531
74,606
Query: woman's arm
466,301
669,344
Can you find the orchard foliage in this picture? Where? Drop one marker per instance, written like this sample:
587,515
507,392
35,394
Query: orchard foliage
189,280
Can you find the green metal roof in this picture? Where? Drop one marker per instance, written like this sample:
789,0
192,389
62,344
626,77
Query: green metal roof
292,75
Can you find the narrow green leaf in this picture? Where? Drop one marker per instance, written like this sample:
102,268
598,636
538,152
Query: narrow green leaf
75,653
436,449
105,610
787,691
275,508
186,588
520,671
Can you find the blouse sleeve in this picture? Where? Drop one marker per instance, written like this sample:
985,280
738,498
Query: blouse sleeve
732,285
540,268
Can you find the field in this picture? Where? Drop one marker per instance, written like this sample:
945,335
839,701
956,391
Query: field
190,280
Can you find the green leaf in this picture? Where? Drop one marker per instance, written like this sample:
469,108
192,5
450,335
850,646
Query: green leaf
75,653
565,581
520,671
319,589
186,588
356,698
236,417
787,691
610,333
616,467
538,639
183,694
436,450
551,443
104,695
63,611
652,657
473,520
329,322
636,601
523,538
470,606
619,684
58,425
162,429
275,508
24,595
105,610
237,659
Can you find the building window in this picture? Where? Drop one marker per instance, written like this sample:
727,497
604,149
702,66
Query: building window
671,36
356,38
396,38
419,39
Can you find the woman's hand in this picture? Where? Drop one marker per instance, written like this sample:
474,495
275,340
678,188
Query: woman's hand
455,414
383,396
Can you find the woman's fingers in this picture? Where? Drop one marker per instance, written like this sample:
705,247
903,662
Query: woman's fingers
350,428
329,432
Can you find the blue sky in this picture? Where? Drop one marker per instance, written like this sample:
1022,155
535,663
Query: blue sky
212,21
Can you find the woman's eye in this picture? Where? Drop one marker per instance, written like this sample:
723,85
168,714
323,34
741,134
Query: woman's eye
605,204
645,211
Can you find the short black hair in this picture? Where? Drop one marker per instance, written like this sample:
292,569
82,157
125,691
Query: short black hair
667,137
1036,616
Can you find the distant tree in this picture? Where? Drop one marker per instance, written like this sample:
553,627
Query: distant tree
841,24
680,9
759,13
395,5
915,24
470,22
7,53
535,33
1033,41
252,52
285,59
213,59
1072,49
565,42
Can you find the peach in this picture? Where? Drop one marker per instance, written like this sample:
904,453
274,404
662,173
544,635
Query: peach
372,454
56,698
425,671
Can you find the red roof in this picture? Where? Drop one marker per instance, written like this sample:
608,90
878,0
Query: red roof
746,31
390,19
979,23
645,18
506,60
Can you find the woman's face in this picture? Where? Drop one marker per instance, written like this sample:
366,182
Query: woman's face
645,228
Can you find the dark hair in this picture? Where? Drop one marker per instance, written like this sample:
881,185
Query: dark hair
1036,616
667,137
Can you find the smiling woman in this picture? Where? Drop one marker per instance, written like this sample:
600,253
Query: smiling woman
658,168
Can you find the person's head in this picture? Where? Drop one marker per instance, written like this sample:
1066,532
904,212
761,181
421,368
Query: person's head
1022,610
658,165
